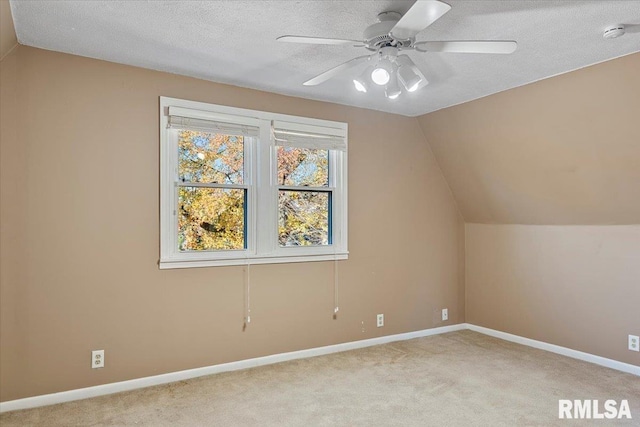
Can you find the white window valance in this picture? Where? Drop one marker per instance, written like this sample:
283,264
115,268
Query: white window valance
205,121
301,135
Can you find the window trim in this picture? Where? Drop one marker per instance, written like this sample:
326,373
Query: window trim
262,191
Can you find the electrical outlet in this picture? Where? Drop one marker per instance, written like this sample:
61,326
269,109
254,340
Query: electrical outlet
634,343
380,320
445,314
97,359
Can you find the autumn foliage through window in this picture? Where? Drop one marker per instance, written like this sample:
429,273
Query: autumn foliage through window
304,202
210,218
243,186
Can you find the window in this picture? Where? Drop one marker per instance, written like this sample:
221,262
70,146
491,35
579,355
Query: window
240,186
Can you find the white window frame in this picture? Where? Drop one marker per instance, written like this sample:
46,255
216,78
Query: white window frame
262,191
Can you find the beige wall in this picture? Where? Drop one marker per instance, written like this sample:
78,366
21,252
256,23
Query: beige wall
12,246
577,286
80,240
8,38
560,151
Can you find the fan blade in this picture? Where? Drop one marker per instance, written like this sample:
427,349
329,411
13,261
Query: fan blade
468,46
318,40
632,28
321,78
422,14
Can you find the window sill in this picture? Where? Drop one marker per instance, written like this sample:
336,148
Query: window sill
166,265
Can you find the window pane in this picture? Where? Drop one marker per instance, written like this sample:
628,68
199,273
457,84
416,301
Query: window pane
303,218
210,157
303,166
211,219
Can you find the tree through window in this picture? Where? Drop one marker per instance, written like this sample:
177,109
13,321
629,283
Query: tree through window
304,197
212,214
243,186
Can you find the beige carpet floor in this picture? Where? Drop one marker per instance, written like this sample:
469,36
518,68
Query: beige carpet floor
456,379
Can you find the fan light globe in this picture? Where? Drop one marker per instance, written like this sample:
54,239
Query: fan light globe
392,90
409,78
359,86
381,73
361,82
380,76
414,87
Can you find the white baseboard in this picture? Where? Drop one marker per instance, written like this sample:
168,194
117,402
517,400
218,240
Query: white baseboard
575,354
101,390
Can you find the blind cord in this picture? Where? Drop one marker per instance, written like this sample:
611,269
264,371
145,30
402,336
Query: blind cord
336,307
247,295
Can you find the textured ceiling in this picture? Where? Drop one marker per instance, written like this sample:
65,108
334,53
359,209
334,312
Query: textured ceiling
234,42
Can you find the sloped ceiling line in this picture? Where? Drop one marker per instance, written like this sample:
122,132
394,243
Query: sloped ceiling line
8,39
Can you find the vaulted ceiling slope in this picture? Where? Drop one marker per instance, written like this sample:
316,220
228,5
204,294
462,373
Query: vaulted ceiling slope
8,38
565,150
234,42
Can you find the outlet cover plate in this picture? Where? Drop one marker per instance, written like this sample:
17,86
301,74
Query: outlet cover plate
634,343
380,320
445,314
97,359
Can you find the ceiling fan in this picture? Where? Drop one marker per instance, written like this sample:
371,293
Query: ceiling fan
392,34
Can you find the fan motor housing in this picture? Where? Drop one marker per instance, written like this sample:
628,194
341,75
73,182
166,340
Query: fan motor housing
378,35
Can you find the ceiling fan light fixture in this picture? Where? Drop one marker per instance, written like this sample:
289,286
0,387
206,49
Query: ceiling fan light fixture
361,82
360,85
414,87
409,78
381,73
392,96
392,90
380,76
393,34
